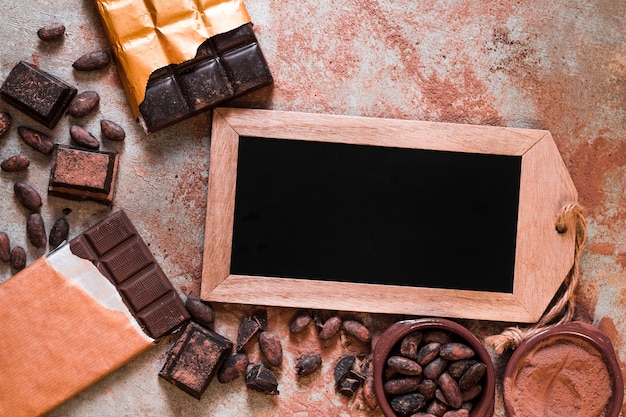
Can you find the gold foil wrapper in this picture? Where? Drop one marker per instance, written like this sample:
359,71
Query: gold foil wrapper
146,35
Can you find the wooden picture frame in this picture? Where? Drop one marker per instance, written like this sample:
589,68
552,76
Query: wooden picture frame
543,256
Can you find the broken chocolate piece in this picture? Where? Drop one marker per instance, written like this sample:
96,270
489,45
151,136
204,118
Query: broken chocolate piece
119,253
249,327
195,358
348,387
83,174
40,95
233,368
226,66
261,378
343,367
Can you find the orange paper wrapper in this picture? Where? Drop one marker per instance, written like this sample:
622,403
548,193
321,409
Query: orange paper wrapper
64,328
151,34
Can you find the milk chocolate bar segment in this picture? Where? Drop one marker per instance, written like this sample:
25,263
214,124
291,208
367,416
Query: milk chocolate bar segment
40,95
120,254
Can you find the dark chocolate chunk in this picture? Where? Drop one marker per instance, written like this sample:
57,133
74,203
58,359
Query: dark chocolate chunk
40,95
195,358
116,249
226,66
83,174
343,367
249,327
233,368
36,139
261,378
349,386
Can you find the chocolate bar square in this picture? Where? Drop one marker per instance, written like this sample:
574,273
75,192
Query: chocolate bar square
226,66
83,174
40,95
121,255
195,358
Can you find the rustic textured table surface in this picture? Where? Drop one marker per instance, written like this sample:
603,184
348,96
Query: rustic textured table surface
560,67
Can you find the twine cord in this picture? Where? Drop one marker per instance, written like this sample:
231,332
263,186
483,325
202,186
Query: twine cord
564,306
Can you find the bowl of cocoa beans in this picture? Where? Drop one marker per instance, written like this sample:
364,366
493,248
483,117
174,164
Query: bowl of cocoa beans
432,367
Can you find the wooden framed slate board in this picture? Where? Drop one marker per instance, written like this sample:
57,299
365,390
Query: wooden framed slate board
382,215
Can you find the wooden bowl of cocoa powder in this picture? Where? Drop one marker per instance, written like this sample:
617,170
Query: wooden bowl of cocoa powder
447,353
569,370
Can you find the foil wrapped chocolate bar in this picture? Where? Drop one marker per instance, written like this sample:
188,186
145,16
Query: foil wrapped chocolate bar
78,314
189,59
42,96
122,256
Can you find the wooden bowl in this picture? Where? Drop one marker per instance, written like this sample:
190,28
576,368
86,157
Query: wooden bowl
581,348
483,405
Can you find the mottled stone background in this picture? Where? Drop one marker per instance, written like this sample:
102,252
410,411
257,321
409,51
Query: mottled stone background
557,65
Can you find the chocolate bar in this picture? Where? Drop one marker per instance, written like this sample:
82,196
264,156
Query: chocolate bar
83,174
40,95
121,255
195,358
226,65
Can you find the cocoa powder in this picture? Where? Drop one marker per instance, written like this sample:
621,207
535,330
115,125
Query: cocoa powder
560,377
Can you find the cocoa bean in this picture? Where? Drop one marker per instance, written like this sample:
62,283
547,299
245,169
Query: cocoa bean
435,368
330,328
59,232
17,259
83,104
427,388
27,195
404,366
408,404
450,389
249,327
307,365
299,321
5,247
402,385
36,139
420,414
112,131
471,393
51,32
456,351
458,368
410,345
232,368
5,122
437,408
83,138
36,230
472,375
428,353
357,330
201,312
91,61
15,163
270,346
369,396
